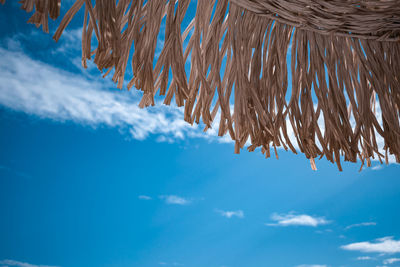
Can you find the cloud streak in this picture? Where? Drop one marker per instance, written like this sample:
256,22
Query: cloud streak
175,200
391,260
144,197
386,245
312,265
63,96
292,219
21,264
230,214
364,258
360,225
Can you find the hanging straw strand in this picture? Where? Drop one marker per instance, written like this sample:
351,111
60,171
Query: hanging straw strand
343,65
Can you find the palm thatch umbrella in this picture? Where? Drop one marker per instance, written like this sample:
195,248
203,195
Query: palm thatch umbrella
345,71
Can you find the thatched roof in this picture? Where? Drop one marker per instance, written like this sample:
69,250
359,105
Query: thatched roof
344,67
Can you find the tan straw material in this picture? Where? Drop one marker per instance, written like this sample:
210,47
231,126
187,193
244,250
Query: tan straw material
344,66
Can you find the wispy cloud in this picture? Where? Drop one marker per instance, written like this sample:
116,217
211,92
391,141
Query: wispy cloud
230,214
63,96
312,265
15,172
163,263
21,264
324,231
391,261
70,41
144,197
380,245
360,225
365,258
176,200
292,219
377,167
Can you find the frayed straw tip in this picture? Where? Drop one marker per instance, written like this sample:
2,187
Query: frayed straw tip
313,166
237,148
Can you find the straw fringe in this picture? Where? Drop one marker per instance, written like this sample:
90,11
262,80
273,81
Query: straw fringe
337,79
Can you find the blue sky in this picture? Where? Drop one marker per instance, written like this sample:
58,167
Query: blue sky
89,179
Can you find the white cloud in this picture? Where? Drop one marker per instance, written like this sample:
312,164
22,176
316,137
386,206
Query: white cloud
391,261
364,258
230,214
360,225
377,167
381,245
71,39
39,89
21,264
177,200
292,219
312,265
170,264
144,197
324,231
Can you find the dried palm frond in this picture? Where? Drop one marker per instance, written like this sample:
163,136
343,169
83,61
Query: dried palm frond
344,64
